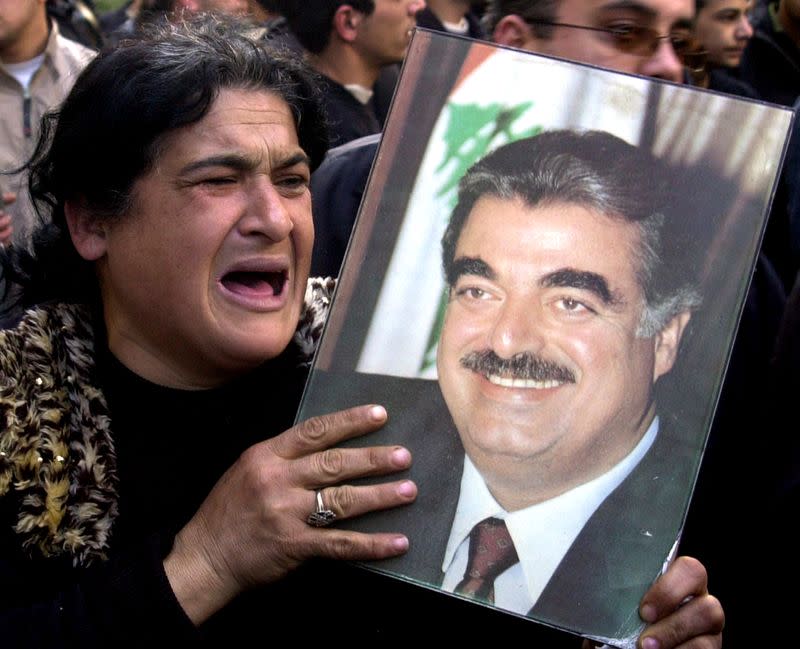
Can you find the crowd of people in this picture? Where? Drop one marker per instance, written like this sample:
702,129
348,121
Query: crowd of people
159,165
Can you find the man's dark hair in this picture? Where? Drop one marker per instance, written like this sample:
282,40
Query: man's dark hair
595,170
530,11
311,21
111,126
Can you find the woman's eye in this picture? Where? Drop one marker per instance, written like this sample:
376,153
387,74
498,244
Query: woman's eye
293,182
219,180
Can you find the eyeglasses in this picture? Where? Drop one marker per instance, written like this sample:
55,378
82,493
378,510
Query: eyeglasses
643,41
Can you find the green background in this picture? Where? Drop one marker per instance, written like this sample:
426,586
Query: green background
107,5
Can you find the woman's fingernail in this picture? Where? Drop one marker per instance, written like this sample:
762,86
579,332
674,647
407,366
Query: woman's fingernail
377,413
650,643
648,613
407,489
401,457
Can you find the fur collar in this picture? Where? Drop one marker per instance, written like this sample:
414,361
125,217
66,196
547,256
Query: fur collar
56,446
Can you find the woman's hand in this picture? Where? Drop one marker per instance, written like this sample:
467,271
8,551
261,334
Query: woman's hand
252,529
680,611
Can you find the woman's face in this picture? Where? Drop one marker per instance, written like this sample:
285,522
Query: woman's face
204,278
724,29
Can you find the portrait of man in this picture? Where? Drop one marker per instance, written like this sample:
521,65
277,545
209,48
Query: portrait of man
555,422
562,315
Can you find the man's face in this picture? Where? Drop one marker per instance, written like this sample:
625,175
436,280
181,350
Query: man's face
599,48
204,277
383,35
539,359
20,19
722,26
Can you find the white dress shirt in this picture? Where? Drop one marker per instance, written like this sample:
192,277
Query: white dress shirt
542,533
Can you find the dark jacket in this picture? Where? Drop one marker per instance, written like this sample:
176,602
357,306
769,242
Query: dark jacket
348,118
771,61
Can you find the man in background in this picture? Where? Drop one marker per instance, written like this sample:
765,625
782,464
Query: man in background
37,69
771,62
349,43
722,30
646,37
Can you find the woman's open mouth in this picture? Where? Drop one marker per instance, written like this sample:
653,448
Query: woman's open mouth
255,282
258,289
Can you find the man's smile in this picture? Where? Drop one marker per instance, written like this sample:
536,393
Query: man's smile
527,384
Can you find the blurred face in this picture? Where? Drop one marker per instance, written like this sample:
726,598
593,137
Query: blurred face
204,278
723,27
664,17
539,360
383,35
226,6
789,14
23,29
234,7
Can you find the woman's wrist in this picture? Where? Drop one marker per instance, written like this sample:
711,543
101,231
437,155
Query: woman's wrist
197,584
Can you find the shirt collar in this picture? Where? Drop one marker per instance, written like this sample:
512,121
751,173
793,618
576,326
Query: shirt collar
55,57
461,27
362,94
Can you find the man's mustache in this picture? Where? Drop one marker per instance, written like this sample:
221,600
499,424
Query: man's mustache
523,365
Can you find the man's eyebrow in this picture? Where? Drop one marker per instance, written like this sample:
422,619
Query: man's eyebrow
683,23
241,162
631,5
469,266
582,280
645,12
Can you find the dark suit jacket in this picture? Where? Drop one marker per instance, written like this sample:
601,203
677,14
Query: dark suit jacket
597,586
348,118
336,190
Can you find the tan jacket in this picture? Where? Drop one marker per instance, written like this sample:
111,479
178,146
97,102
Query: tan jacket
63,60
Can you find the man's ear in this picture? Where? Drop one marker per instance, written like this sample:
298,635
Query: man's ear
346,22
667,342
88,233
513,31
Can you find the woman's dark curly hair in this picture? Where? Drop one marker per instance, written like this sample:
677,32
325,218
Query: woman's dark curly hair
108,131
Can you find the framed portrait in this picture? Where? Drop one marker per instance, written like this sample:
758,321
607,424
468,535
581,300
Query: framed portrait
543,287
